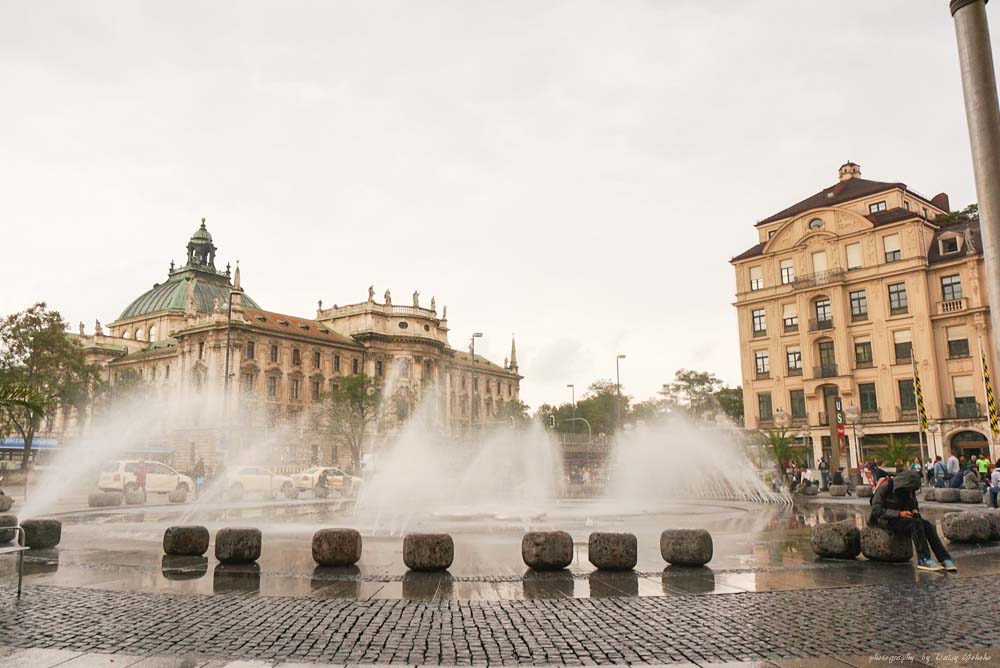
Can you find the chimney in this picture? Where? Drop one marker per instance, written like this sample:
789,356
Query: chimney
850,170
941,201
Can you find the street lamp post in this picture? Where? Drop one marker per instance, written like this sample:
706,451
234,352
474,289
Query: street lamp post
572,389
472,390
853,416
618,390
982,112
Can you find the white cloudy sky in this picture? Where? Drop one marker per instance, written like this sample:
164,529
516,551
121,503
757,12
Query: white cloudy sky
576,172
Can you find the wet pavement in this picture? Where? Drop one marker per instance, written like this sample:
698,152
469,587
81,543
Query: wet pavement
108,596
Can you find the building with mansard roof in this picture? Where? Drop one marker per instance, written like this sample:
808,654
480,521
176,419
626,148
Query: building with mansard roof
842,293
174,338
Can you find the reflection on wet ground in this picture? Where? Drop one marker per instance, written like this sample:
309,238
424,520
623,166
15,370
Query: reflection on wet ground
757,548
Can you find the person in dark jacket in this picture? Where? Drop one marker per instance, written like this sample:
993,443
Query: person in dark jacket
894,508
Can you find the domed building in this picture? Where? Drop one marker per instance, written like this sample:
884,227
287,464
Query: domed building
198,337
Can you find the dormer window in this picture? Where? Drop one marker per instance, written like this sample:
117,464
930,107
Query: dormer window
770,235
876,207
949,245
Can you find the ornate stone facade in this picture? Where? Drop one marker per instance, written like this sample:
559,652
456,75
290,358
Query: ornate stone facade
174,340
842,293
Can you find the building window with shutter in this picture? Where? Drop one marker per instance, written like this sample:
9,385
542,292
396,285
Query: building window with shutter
759,322
762,365
336,363
859,305
790,318
355,366
294,389
249,351
951,287
274,353
787,272
958,341
863,353
317,359
898,304
854,256
316,386
272,387
893,252
902,343
756,278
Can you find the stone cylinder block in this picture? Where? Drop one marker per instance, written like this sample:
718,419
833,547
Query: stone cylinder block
428,551
104,499
6,503
837,540
966,527
864,491
7,535
811,490
613,551
928,494
881,545
135,497
547,550
42,534
686,547
237,545
971,496
947,495
838,490
185,541
336,547
178,495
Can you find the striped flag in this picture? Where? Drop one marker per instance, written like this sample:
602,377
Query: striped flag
919,394
991,403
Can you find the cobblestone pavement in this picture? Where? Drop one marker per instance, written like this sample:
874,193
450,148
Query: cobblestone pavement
657,629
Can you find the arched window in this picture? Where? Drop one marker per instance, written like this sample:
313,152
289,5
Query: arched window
152,333
138,334
125,334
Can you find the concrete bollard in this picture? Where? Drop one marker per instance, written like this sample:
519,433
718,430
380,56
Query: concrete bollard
971,496
6,503
928,494
336,547
185,541
135,497
428,551
992,516
838,490
613,551
237,545
811,490
547,550
881,545
947,495
966,527
178,495
42,534
7,535
864,491
104,499
837,540
686,547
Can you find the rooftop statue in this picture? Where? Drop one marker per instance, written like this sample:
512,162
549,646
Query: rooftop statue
82,332
97,327
388,298
433,305
371,293
416,299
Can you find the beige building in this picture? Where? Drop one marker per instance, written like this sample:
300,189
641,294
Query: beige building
842,292
172,341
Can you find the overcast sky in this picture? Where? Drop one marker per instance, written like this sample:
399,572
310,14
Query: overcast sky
578,173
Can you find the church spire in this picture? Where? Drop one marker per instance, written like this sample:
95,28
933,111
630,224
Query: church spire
513,354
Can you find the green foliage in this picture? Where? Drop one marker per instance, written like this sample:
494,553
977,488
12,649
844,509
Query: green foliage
513,409
37,357
350,407
730,400
896,450
967,215
692,393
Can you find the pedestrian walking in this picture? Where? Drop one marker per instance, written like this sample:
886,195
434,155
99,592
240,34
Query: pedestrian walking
995,485
824,472
141,471
199,476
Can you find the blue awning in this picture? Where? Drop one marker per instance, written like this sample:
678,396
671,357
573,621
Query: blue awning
17,443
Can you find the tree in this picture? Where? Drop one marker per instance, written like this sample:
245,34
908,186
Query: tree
730,400
779,446
967,215
14,397
601,407
37,356
647,410
896,450
351,407
514,410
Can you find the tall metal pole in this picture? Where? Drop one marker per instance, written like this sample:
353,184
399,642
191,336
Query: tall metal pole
982,112
573,399
618,391
472,390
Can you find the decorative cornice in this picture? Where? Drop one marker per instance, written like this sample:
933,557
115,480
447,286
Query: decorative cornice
959,4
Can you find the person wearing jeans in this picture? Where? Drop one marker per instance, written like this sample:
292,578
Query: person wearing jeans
894,508
995,485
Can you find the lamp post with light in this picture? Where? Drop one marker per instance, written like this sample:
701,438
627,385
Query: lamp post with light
853,415
472,390
618,390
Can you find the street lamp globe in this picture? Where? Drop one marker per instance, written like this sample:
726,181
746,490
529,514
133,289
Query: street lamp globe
852,413
781,419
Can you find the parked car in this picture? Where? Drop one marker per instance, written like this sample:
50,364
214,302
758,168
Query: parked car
255,480
336,479
119,476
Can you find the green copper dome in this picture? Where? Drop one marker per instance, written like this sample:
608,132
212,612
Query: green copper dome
172,296
199,278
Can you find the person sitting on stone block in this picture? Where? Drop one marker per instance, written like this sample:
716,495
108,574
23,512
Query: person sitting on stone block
895,509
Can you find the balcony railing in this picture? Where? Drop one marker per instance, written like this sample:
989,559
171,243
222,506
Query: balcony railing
819,278
793,371
817,325
825,371
964,411
952,305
